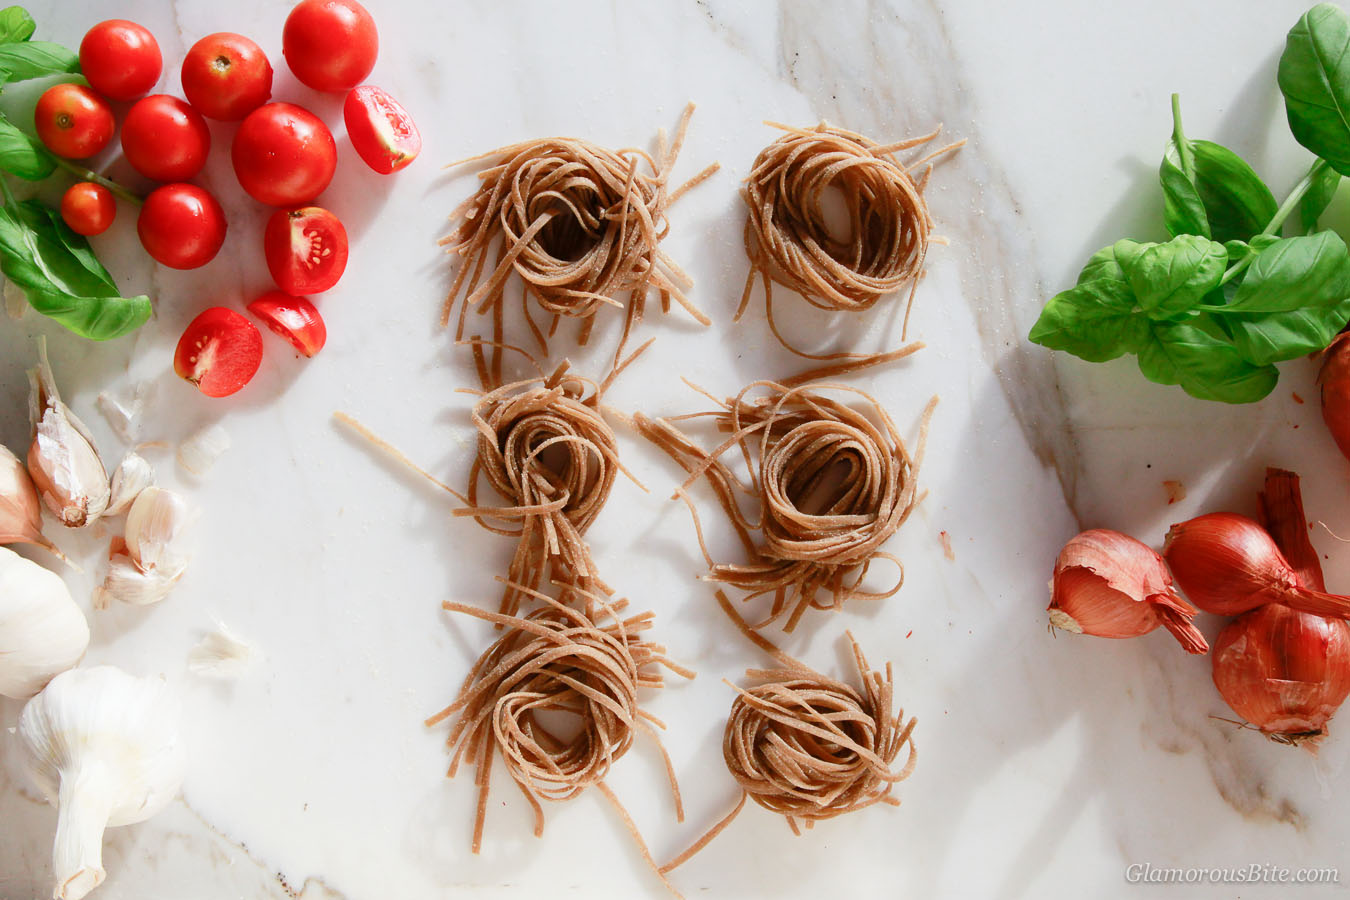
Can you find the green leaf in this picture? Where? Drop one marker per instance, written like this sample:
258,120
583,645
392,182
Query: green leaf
60,275
1183,210
1308,271
22,155
1240,250
15,25
1319,195
1267,338
1102,264
1095,321
1195,355
1314,76
1237,202
34,59
1169,279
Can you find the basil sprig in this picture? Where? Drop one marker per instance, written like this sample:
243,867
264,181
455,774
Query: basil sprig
1214,308
55,267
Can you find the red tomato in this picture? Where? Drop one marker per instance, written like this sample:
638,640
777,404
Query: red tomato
165,139
73,121
294,318
88,208
330,45
381,130
226,76
283,155
181,226
306,249
219,352
120,59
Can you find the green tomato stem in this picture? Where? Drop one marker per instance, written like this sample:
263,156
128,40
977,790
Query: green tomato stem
1277,221
87,175
1179,138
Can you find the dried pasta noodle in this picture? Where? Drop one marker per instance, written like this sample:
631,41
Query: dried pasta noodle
557,658
833,484
580,225
808,747
788,238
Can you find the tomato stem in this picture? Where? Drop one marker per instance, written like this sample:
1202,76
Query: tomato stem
88,175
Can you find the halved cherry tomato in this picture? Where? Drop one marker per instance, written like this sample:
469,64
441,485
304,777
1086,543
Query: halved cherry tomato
330,45
381,130
165,139
88,208
226,76
219,352
283,155
306,249
181,226
73,121
293,318
120,59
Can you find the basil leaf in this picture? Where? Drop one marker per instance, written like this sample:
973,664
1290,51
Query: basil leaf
34,59
1274,337
15,25
1240,250
1194,355
1183,210
1095,321
60,275
1237,202
1314,76
1318,198
1308,271
1102,264
23,156
1169,279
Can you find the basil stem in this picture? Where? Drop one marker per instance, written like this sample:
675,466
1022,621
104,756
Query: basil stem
1288,206
90,175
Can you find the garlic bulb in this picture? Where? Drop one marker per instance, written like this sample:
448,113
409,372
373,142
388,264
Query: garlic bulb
20,509
145,565
133,475
42,631
103,747
62,459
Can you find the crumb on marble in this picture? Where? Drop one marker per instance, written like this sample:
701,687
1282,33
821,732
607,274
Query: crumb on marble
1175,491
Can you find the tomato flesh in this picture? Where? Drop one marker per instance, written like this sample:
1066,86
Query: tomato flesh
226,76
283,155
181,226
219,352
381,130
293,318
72,121
330,45
120,59
306,249
88,208
165,139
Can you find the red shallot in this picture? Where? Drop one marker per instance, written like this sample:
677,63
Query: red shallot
1228,564
1334,378
1111,585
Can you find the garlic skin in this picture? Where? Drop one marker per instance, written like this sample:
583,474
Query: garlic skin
221,654
103,747
145,565
132,476
20,508
42,631
200,450
62,460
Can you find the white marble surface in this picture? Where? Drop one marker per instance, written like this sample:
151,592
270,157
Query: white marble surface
1046,766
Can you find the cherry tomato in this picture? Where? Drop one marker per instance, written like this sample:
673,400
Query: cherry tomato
219,352
283,155
330,45
381,130
226,76
120,59
306,249
181,226
88,208
294,318
165,139
73,121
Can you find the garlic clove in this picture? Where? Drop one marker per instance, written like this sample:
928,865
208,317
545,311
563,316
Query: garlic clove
127,583
20,508
42,631
62,461
156,533
199,452
132,476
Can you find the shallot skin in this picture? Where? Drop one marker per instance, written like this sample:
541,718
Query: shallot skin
1284,671
1334,378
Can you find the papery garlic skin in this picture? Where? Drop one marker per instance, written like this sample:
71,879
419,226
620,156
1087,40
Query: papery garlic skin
132,476
102,746
146,564
221,654
199,452
62,460
42,631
